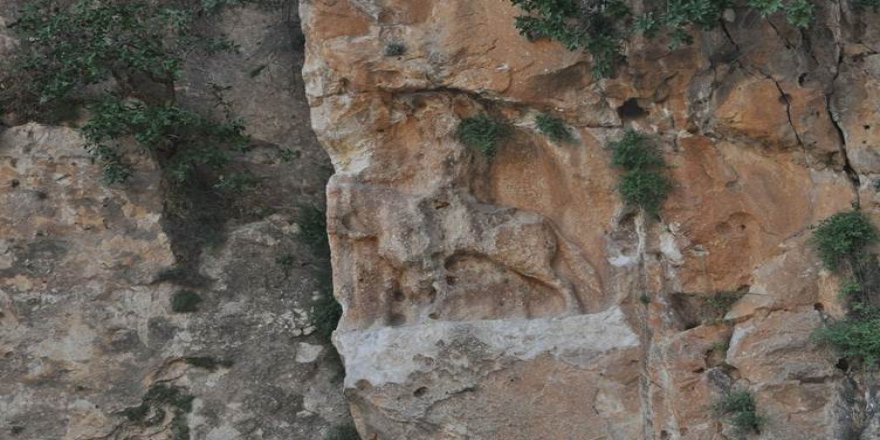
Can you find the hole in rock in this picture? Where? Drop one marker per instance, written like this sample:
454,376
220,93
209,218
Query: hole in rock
842,365
819,307
397,296
421,391
631,110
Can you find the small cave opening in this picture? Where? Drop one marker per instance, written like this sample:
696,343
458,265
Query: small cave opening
631,110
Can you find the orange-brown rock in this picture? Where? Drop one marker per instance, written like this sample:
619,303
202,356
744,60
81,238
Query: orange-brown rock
447,261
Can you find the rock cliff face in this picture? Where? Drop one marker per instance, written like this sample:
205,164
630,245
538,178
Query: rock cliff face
92,345
516,296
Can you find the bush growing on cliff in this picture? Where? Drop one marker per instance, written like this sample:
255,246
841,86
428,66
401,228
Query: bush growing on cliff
737,407
843,237
842,241
121,60
601,27
855,337
483,133
553,127
643,183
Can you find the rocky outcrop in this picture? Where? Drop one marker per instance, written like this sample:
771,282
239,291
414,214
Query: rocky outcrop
133,312
516,296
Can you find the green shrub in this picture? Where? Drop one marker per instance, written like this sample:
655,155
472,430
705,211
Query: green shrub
720,347
326,311
721,302
133,50
313,229
854,337
342,432
737,407
395,49
185,301
602,26
843,237
635,151
553,127
643,183
326,314
850,288
483,133
873,4
646,189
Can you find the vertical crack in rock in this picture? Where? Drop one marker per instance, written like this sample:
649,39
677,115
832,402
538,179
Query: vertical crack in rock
841,134
829,105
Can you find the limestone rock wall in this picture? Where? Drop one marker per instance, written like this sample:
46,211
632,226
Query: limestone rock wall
90,346
502,297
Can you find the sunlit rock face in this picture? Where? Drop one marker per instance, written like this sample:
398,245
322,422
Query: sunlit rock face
516,296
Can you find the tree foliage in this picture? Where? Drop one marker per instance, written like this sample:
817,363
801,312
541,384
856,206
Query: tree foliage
601,27
121,60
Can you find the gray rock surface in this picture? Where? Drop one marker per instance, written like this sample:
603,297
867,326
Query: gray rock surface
90,345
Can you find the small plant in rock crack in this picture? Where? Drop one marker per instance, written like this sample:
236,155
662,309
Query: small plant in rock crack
643,183
342,432
737,407
159,400
721,302
395,49
720,347
483,133
554,128
185,301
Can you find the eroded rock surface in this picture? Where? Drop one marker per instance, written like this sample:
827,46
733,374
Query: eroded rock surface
91,346
446,261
